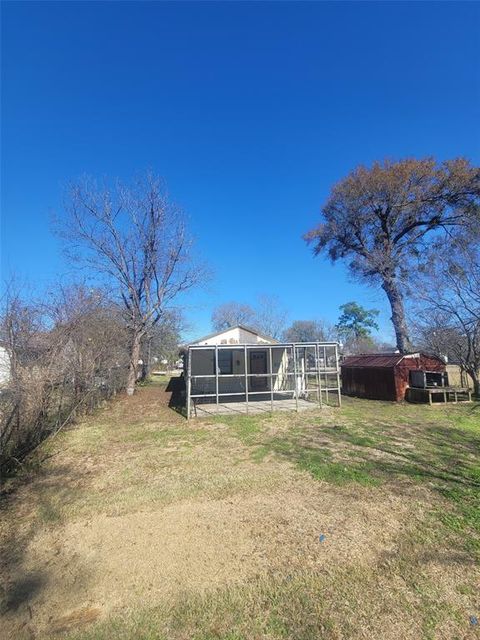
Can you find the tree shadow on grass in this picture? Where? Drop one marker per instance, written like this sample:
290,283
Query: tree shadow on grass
24,577
432,453
21,591
444,457
19,585
176,387
427,456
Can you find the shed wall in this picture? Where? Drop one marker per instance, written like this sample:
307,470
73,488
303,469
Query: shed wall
373,383
385,383
402,371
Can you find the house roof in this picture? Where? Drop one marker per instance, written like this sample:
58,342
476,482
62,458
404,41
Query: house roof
238,326
381,360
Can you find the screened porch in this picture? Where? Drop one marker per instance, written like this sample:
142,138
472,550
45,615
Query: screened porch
252,378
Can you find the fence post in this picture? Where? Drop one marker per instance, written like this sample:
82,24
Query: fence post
189,383
295,375
338,377
319,381
216,375
271,377
246,374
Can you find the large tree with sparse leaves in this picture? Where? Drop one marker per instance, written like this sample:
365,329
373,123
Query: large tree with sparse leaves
380,219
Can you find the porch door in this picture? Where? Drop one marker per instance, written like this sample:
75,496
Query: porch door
258,364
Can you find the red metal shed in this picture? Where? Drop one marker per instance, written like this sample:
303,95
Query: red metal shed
384,376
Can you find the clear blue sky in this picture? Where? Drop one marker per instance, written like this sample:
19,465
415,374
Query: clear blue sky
251,111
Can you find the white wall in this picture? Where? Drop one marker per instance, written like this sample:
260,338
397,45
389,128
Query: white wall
235,335
4,367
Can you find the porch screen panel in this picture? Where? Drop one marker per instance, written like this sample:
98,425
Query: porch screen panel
225,362
202,365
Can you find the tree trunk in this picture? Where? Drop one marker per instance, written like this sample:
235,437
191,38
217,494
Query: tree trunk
146,365
475,376
132,369
398,314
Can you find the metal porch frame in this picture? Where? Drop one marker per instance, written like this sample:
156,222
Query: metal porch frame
322,373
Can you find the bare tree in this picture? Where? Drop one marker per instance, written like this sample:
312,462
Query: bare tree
309,331
20,325
135,239
448,309
231,314
352,345
162,343
380,218
66,354
90,337
270,316
267,316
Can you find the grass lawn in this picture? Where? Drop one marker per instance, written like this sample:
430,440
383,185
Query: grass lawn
352,523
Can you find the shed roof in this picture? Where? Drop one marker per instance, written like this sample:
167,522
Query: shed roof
377,360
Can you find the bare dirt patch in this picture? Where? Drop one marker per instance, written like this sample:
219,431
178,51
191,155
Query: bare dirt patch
109,563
